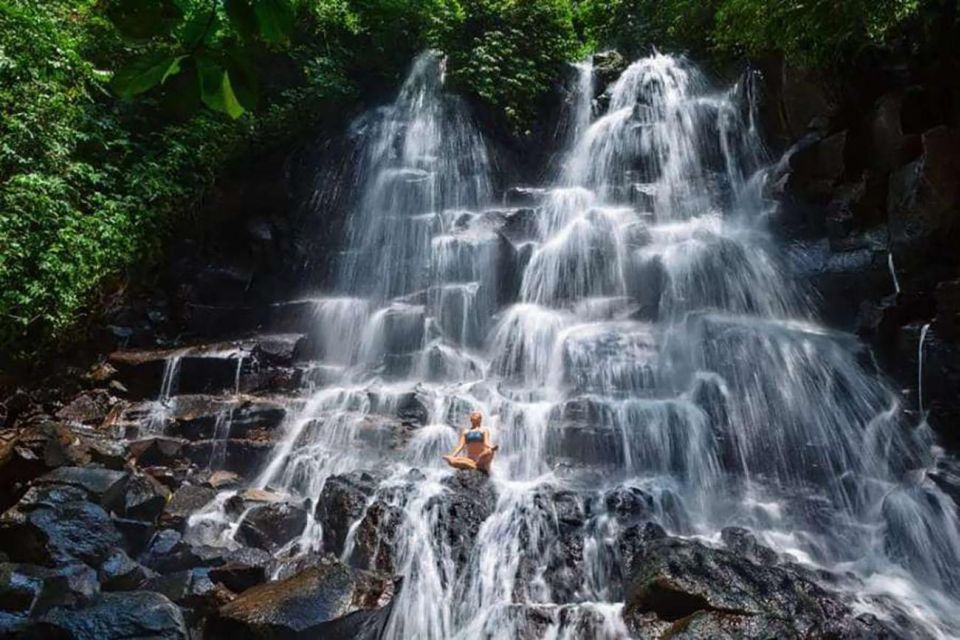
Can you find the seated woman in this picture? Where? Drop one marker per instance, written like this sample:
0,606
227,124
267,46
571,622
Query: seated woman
476,442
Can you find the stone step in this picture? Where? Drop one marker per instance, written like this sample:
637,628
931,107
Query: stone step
207,368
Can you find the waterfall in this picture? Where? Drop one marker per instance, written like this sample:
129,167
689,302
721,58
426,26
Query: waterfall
923,338
635,330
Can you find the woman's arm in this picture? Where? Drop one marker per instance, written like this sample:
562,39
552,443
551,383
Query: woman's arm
460,445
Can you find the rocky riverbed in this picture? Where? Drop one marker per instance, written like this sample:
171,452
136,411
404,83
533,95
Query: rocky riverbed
99,490
109,466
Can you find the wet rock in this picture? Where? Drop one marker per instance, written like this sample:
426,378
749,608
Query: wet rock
524,196
709,592
199,417
90,408
743,543
279,349
521,225
341,503
376,536
270,527
243,457
412,410
243,569
168,552
144,498
220,480
121,573
20,462
103,486
924,195
607,67
266,379
628,504
29,590
54,525
206,374
327,600
136,533
817,166
186,501
469,500
174,586
114,616
157,451
250,498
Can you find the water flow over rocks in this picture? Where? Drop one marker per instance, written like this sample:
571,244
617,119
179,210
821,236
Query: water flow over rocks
646,364
684,450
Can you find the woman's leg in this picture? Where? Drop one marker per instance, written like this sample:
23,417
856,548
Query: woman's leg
484,460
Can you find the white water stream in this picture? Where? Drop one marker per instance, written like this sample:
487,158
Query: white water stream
634,329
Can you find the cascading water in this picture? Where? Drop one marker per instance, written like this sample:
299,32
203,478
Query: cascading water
635,329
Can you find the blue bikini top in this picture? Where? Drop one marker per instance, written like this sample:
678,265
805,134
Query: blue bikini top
473,436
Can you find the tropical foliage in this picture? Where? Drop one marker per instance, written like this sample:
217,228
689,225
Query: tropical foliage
118,114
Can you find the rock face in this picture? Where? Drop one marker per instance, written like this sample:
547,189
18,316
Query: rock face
342,502
114,616
56,525
703,592
271,526
328,601
871,192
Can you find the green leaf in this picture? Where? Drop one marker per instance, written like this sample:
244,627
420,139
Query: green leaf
243,78
144,19
216,90
199,27
144,73
275,18
242,17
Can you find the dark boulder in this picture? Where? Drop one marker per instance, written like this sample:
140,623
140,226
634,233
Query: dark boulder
185,501
157,451
113,616
327,600
816,167
607,67
743,543
245,457
168,552
54,525
279,349
103,486
29,590
924,196
90,408
461,510
21,460
341,503
174,586
144,498
708,592
121,573
271,526
243,569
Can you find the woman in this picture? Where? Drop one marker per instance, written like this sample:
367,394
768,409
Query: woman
476,442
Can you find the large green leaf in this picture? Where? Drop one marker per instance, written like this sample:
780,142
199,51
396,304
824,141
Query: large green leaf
144,19
275,18
199,27
243,77
242,17
144,73
216,90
